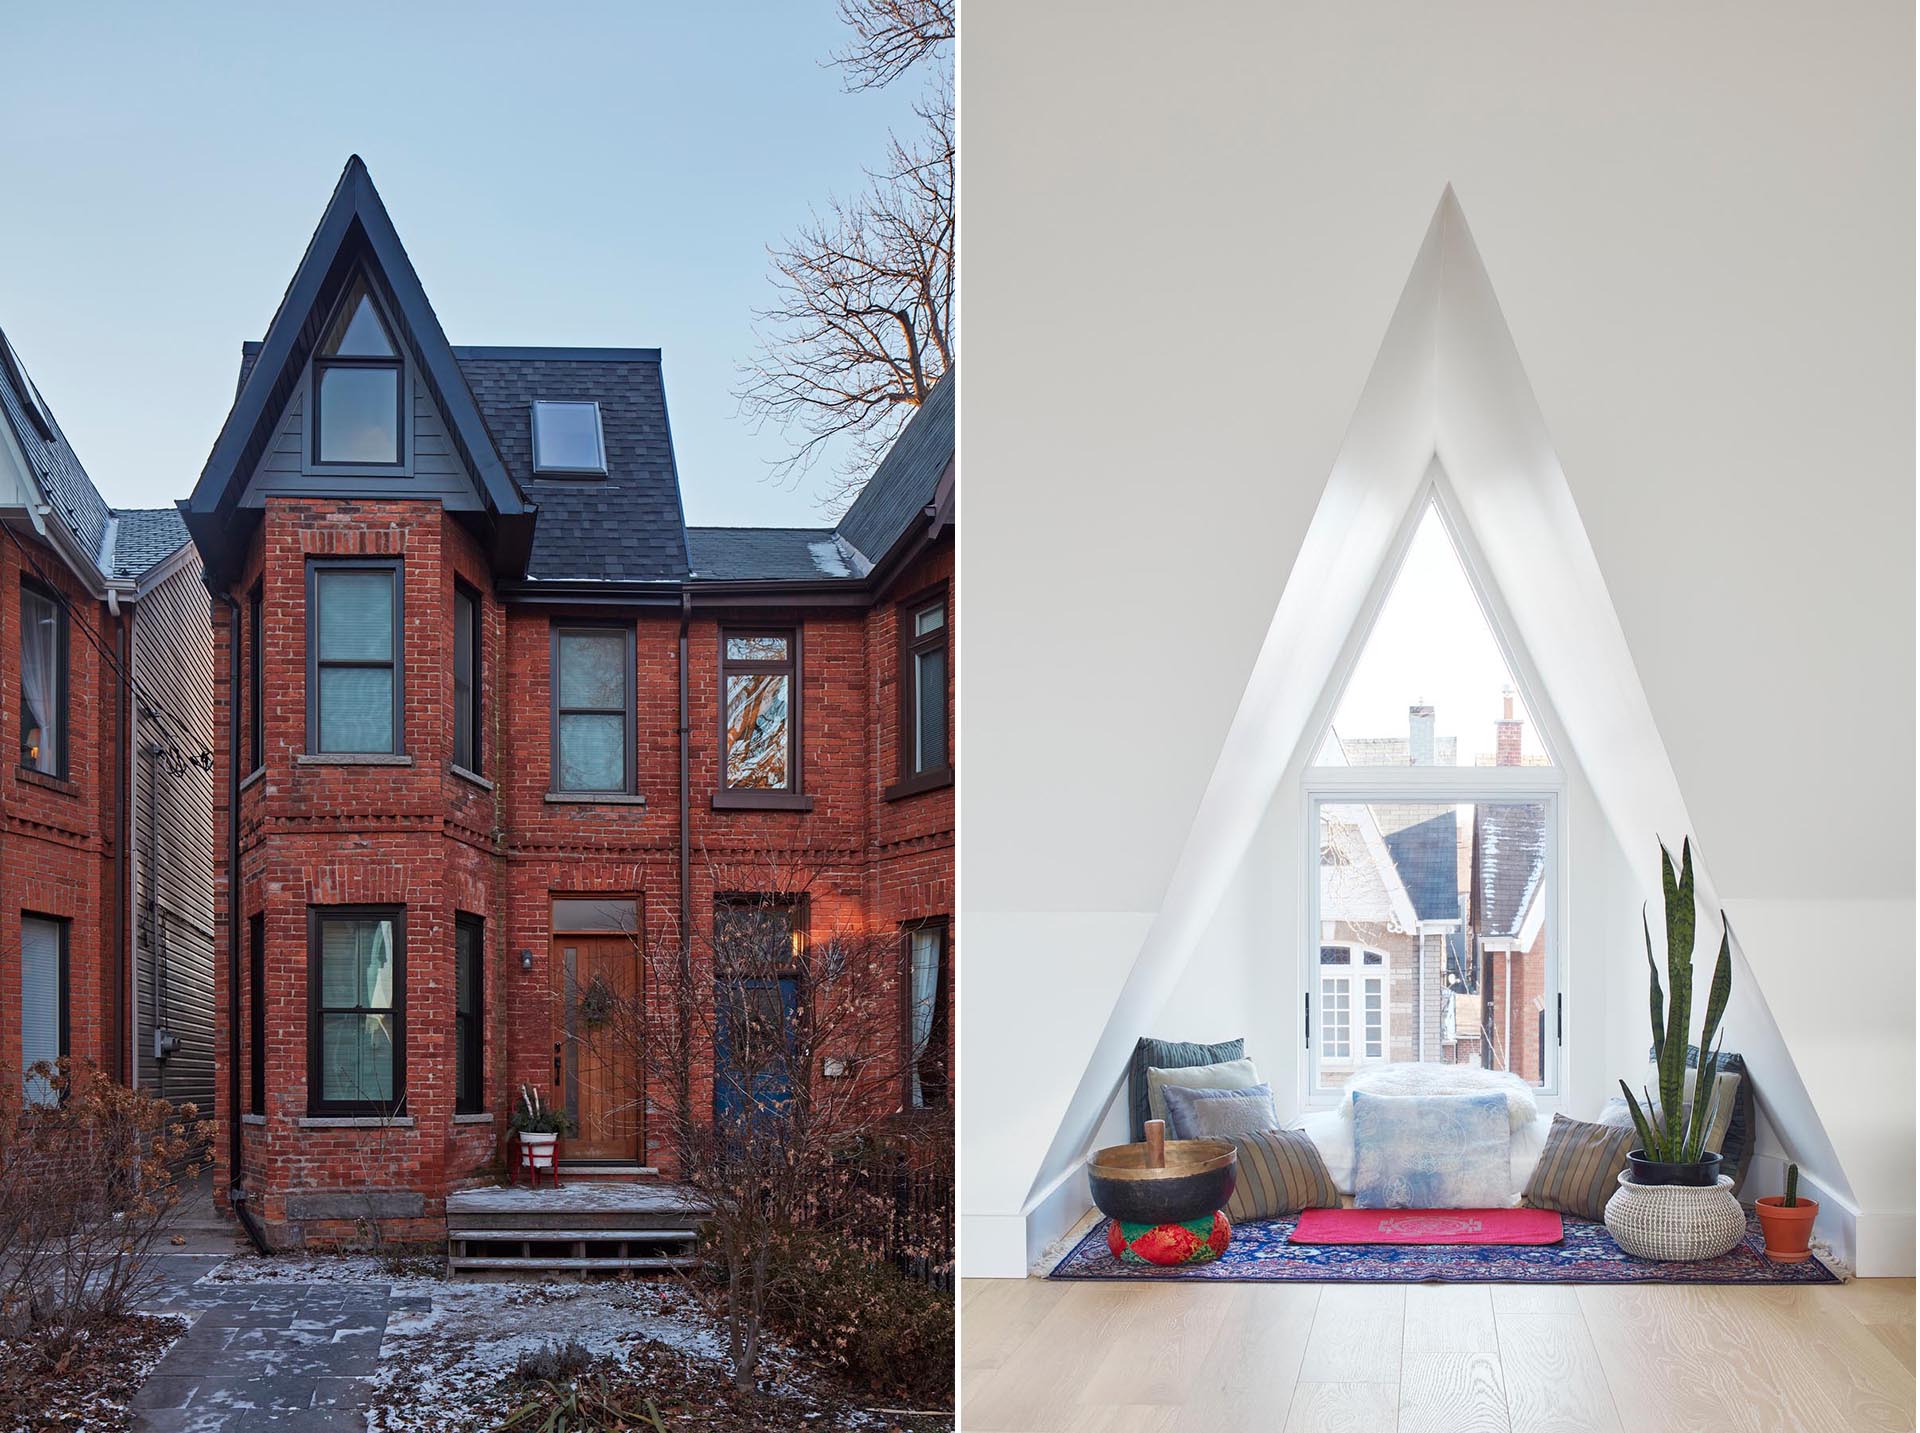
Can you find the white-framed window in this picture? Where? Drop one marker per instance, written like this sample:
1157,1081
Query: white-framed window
1353,1006
1435,839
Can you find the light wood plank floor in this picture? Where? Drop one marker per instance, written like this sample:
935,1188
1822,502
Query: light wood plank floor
1039,1357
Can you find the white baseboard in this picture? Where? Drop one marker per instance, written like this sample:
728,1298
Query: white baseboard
1877,1243
1012,1246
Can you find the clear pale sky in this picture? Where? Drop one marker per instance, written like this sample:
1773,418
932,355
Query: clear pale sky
561,174
1432,644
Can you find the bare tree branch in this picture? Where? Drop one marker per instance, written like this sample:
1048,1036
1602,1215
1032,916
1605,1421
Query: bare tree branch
890,37
861,328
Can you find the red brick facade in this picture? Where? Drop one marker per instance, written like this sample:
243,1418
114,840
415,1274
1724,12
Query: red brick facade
425,837
60,840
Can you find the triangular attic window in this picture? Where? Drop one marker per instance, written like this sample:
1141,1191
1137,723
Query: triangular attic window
357,332
1431,687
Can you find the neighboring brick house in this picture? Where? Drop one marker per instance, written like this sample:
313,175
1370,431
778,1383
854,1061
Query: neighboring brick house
491,709
106,901
1464,885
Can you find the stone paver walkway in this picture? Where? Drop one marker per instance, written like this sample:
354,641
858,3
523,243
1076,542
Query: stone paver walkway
265,1354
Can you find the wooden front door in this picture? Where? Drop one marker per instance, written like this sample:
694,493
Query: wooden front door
596,1067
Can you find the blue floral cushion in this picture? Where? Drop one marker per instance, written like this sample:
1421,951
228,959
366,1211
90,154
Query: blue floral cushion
1431,1152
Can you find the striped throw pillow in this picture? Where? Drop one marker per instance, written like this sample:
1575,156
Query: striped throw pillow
1580,1167
1281,1172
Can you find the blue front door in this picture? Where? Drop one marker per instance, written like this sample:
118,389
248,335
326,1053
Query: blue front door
754,1032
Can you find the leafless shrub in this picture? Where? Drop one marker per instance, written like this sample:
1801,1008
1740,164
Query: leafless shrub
92,1176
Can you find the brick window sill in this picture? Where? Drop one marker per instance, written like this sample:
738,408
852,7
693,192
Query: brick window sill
481,1117
253,778
761,801
473,776
61,784
350,758
353,1122
593,798
915,785
260,1120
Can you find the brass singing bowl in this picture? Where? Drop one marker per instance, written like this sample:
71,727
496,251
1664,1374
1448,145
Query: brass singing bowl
1198,1178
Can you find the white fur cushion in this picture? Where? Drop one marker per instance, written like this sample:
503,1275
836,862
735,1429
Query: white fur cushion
1332,1135
1434,1079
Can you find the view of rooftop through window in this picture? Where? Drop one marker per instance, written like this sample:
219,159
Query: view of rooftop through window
1431,687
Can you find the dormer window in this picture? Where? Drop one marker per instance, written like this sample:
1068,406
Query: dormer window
357,387
567,439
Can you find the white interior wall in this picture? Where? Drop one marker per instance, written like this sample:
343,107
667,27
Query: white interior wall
1701,223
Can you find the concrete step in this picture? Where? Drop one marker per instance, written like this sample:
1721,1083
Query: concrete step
548,1264
544,1235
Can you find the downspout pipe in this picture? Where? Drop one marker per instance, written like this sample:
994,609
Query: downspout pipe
685,1091
236,1183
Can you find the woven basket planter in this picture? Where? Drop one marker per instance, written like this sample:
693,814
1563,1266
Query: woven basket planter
1675,1221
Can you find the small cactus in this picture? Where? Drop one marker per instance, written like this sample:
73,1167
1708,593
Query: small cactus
1792,1201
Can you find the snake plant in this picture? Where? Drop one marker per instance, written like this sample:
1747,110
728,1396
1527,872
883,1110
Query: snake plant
1667,1133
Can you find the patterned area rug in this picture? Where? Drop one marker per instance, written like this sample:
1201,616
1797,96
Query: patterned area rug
1260,1253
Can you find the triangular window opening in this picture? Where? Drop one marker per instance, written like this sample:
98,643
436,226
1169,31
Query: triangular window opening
1431,686
1432,936
357,331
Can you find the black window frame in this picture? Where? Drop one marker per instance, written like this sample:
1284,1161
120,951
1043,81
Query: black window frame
792,796
473,728
317,1105
323,363
397,567
63,672
257,1014
938,1035
555,711
64,924
256,674
470,1026
911,780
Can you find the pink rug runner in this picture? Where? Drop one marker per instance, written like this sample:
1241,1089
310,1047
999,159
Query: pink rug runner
1428,1226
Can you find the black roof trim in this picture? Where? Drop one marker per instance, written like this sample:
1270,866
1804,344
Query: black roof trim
354,228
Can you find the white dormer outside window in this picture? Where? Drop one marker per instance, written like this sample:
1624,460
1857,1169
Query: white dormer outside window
567,439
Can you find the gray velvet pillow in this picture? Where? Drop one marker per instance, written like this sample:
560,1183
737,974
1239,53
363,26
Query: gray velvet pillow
1168,1055
1218,1114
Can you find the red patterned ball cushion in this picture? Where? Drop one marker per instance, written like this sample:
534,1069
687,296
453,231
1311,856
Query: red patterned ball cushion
1198,1241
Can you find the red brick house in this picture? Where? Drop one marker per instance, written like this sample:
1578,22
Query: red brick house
489,710
106,899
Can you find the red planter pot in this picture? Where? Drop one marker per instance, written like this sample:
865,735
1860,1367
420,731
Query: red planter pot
1786,1230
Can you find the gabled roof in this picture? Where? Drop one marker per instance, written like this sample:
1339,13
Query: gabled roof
907,480
1427,855
1509,859
99,532
354,232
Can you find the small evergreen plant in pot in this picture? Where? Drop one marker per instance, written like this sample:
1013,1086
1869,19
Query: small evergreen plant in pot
1672,1133
1786,1221
533,1115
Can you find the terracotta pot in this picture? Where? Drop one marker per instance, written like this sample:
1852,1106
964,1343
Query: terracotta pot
1786,1230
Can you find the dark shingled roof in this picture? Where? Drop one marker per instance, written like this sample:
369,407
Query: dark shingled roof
625,527
904,482
141,537
55,465
1509,859
144,538
1427,855
772,554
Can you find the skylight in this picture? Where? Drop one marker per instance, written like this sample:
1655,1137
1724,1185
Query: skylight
567,438
1432,687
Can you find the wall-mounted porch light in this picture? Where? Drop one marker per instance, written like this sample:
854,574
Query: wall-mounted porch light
526,960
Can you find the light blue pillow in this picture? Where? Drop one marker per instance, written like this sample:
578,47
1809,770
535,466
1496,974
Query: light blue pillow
1206,1114
1431,1151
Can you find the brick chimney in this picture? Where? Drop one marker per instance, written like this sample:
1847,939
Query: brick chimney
1420,736
1507,732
